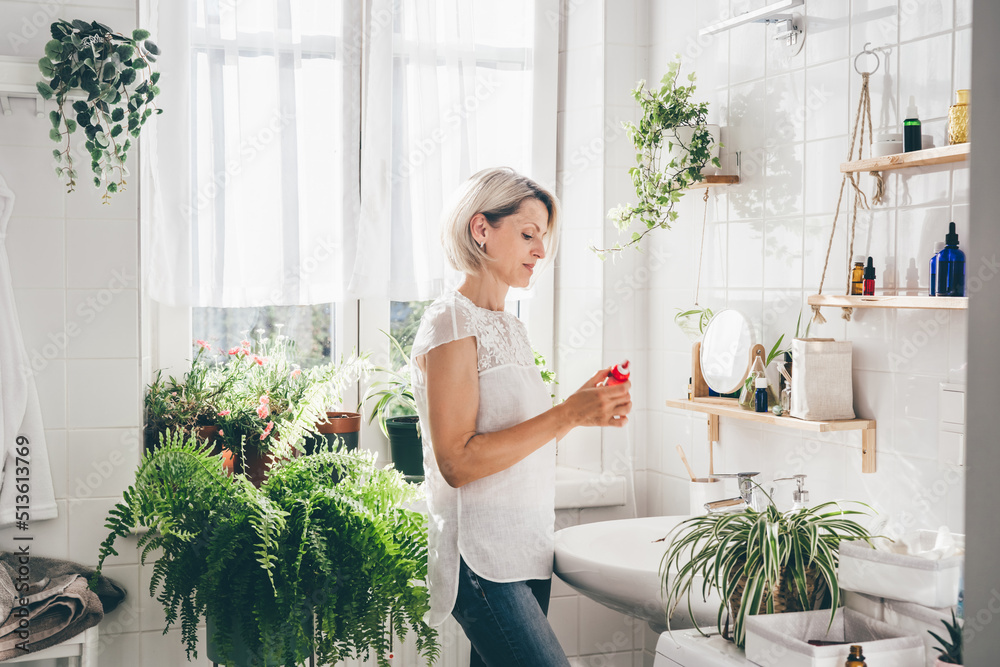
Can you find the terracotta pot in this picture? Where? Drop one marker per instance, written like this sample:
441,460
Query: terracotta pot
341,429
210,433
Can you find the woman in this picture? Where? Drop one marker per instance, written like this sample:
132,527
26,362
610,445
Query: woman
490,428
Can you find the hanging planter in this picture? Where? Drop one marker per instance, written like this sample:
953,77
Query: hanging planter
673,143
113,75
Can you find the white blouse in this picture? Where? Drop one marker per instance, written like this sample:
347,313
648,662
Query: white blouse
502,525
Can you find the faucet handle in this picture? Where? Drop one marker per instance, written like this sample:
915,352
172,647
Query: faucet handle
799,495
746,483
740,475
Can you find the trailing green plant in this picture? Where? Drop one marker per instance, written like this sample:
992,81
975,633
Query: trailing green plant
693,319
660,181
759,562
115,73
394,396
951,648
255,395
548,375
327,537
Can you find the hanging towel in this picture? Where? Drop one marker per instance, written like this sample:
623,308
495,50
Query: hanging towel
20,415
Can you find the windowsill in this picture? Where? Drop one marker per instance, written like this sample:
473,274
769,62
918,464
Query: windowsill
586,488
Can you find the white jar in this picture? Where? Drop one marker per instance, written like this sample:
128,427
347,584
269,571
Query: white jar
887,144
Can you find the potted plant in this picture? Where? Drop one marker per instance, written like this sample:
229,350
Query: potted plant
759,562
251,400
396,412
118,86
324,557
693,321
670,119
951,648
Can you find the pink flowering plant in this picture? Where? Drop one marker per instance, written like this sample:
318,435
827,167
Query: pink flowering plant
250,398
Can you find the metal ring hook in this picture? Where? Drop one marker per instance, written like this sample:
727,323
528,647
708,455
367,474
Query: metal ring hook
870,52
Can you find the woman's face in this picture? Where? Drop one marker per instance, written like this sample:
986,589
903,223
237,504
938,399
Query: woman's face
516,243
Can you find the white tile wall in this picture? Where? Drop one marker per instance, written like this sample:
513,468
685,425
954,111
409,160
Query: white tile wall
74,268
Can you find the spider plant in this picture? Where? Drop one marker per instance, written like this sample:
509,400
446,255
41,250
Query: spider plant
759,562
693,321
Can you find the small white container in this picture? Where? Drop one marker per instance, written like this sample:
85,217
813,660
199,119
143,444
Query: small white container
705,490
781,640
931,583
887,144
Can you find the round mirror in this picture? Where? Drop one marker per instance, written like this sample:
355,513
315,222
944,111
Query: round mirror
725,351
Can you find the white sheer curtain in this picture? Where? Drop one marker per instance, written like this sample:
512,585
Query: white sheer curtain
253,166
447,93
264,182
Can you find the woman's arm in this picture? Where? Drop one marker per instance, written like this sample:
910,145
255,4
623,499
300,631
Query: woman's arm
463,455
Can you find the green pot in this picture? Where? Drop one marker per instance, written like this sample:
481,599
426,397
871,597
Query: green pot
405,446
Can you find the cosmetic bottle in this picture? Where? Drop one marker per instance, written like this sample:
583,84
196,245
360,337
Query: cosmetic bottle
958,119
951,266
760,396
856,658
912,278
858,275
870,278
618,374
938,247
911,128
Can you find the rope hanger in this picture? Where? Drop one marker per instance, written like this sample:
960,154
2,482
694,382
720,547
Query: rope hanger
862,118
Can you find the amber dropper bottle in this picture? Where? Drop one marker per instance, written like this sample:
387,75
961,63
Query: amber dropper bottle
858,275
855,659
870,278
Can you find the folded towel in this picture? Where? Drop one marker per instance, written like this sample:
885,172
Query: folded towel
57,605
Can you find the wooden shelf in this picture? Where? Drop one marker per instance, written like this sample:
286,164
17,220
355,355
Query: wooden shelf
715,181
926,302
729,407
926,157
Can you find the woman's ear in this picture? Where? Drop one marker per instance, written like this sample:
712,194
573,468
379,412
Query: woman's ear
478,225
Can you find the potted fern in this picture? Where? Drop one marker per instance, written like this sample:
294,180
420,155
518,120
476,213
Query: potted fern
759,562
325,557
951,648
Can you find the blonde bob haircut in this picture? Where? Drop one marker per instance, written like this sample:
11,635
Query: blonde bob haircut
496,193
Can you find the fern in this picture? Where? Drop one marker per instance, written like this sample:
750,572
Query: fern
326,537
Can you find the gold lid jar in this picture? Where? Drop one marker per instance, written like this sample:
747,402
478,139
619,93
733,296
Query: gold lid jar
958,119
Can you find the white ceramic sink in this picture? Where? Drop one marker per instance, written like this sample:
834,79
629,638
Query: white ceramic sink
617,563
583,488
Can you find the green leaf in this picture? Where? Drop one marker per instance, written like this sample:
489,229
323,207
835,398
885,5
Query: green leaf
54,135
118,114
108,71
112,187
116,130
124,52
70,125
57,154
55,118
45,67
44,90
127,76
139,34
53,50
154,77
152,47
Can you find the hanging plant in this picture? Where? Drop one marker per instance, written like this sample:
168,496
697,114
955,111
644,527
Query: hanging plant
114,73
660,180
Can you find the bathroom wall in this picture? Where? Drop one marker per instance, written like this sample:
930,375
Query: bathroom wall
74,265
789,116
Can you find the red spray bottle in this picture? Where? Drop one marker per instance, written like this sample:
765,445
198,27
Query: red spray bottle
618,374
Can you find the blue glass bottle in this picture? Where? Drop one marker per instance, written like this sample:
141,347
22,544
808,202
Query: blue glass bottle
760,396
938,247
951,266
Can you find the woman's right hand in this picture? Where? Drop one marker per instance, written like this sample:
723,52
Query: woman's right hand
594,404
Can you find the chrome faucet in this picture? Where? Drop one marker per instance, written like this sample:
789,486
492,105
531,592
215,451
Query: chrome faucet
743,501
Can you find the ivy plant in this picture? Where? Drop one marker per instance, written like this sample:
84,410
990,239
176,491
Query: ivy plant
660,178
113,76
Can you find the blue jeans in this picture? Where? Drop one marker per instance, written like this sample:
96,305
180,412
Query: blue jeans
506,623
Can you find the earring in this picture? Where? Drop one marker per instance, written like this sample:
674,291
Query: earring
482,245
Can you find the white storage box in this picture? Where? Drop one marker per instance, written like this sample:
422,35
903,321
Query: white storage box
863,604
931,583
781,640
918,620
